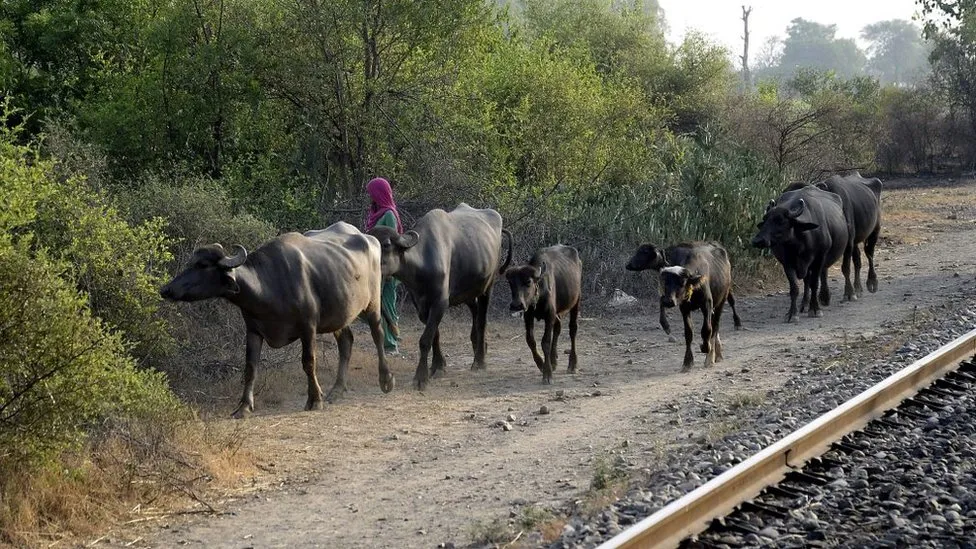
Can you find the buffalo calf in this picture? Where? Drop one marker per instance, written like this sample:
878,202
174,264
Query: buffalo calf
650,257
544,289
694,276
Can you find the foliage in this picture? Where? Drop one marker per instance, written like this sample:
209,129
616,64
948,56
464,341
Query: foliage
197,211
61,368
897,53
815,46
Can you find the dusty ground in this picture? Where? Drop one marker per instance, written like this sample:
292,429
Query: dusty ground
411,469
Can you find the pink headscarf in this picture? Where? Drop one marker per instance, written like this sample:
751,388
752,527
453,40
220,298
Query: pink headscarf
381,194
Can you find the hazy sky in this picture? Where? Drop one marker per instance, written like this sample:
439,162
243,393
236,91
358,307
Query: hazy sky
722,19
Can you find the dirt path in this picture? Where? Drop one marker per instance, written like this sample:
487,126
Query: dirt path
416,470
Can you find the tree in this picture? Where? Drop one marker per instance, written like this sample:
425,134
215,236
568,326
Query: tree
813,45
897,53
951,25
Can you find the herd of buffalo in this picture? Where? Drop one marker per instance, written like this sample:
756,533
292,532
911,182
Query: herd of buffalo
299,285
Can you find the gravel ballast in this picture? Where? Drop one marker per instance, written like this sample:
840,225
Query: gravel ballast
926,496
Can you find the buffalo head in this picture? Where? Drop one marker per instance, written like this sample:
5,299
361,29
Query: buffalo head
782,221
525,281
677,285
393,245
646,257
209,273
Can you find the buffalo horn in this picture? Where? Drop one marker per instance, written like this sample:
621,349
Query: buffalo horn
235,260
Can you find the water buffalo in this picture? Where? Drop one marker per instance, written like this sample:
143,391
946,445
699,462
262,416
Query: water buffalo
698,276
543,289
862,199
294,287
650,257
808,230
448,258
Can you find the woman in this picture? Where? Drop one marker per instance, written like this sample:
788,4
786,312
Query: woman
383,212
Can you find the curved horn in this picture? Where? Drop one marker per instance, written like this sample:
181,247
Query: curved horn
235,260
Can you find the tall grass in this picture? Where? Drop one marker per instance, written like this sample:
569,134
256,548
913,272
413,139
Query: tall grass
710,189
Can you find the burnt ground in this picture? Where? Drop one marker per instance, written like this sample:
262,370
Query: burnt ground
411,469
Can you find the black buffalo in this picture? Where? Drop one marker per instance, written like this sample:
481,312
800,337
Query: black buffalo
694,276
543,289
447,259
294,287
650,257
808,230
862,202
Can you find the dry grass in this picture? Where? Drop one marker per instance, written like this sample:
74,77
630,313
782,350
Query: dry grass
131,472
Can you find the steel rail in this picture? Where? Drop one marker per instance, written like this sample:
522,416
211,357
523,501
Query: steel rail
718,497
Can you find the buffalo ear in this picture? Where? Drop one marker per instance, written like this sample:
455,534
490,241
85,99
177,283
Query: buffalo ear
695,279
801,216
540,270
770,205
408,239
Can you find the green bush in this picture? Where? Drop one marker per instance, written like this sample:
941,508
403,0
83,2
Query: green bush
196,211
62,371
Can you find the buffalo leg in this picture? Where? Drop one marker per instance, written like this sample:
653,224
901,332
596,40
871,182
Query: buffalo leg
435,313
706,332
814,275
529,317
824,288
856,257
478,341
557,328
547,351
344,340
663,319
438,364
869,243
794,292
735,316
252,355
387,381
806,297
716,340
689,334
573,328
845,267
314,401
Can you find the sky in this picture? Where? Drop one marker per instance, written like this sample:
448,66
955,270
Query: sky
722,19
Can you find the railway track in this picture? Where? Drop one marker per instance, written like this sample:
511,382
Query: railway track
734,508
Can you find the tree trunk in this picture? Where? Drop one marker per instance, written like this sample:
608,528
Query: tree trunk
746,76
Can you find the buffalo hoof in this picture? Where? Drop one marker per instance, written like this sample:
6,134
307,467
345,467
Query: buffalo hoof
686,367
672,339
419,384
790,317
572,366
437,372
816,314
242,411
709,361
478,366
388,384
315,404
872,285
333,395
547,380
